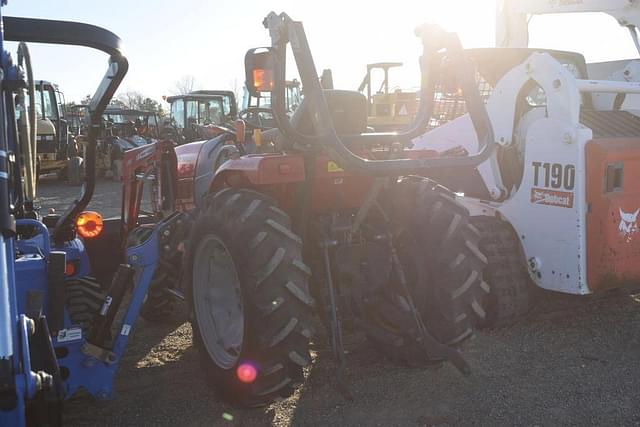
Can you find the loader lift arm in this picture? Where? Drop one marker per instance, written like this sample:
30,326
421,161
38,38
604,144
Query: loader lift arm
512,17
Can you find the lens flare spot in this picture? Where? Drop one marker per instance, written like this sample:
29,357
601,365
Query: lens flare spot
246,373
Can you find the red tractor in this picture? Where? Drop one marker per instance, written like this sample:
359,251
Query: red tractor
321,216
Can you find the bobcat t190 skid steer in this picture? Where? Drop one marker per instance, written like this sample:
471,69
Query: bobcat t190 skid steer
558,202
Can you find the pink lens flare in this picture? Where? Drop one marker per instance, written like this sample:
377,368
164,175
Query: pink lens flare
246,373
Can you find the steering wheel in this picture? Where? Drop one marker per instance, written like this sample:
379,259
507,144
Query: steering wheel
252,117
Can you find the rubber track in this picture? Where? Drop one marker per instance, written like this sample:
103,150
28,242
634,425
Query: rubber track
511,290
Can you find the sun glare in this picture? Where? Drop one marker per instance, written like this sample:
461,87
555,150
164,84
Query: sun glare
473,20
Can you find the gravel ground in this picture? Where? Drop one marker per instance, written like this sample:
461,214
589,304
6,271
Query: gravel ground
572,361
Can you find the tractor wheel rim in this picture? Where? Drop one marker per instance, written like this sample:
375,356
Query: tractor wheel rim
218,301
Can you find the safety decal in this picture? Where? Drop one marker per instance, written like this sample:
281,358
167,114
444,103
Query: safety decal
71,334
125,330
333,167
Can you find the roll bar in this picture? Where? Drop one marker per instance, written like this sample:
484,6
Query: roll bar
77,34
283,30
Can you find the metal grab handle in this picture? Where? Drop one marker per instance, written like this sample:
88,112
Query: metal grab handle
77,34
283,30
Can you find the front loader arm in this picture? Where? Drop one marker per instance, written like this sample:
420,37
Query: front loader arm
512,19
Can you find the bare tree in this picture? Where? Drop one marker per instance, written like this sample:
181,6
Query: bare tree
131,99
134,100
184,85
86,100
237,91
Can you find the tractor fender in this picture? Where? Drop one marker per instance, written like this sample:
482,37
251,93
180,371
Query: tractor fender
260,169
213,153
197,162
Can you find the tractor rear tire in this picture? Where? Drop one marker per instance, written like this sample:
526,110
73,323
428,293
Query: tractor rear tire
263,257
75,170
438,249
511,291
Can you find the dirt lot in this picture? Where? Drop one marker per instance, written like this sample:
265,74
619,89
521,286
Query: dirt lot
571,361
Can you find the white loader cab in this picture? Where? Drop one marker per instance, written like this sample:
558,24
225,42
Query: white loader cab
557,203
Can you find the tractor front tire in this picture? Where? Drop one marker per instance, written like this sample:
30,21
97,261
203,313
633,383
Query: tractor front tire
84,297
246,264
438,249
511,291
159,304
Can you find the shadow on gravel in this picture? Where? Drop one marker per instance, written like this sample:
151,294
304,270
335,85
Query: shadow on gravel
159,383
571,361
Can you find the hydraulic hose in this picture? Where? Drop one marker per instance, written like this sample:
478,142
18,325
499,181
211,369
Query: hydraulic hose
28,127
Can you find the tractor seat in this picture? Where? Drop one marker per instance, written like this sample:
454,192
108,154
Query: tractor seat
348,110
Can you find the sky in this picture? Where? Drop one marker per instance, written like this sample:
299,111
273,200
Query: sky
165,40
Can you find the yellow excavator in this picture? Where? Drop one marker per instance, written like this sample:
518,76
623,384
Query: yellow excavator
56,148
388,110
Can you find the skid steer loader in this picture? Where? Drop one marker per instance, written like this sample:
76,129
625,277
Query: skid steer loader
558,202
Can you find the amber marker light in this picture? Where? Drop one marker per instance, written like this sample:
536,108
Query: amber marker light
89,224
262,80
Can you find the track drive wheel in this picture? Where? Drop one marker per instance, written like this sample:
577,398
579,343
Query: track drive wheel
438,249
511,292
249,298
